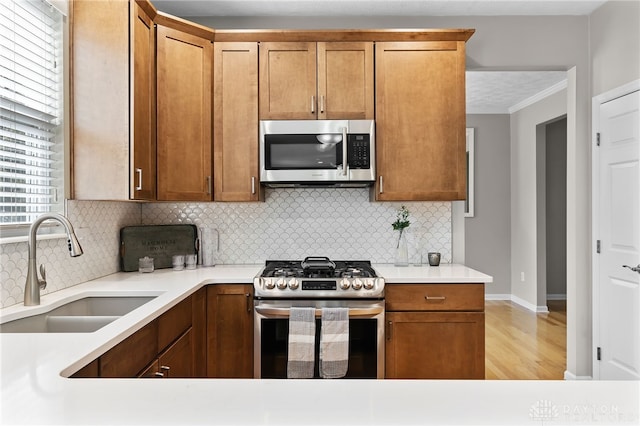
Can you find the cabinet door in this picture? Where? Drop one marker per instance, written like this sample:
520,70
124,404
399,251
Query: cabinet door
345,80
420,121
442,345
177,361
143,94
235,117
230,331
100,100
288,81
184,116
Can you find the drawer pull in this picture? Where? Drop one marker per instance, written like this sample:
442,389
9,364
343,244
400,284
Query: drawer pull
439,298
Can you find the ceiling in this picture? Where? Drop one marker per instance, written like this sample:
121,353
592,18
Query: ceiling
488,92
187,8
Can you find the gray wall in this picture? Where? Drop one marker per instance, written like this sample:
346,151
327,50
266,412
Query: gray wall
525,246
556,207
614,36
487,235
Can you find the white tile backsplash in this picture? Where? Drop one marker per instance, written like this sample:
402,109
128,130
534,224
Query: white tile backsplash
294,223
97,225
290,224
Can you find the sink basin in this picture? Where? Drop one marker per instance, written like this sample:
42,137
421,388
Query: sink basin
80,316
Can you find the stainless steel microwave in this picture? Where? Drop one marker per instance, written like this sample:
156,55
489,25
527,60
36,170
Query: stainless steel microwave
317,153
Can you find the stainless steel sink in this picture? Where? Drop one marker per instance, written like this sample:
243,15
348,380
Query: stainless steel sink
80,316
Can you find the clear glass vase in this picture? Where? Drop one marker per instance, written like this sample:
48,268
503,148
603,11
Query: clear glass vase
401,252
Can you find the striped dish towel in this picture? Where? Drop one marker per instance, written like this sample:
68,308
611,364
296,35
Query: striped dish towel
302,339
334,343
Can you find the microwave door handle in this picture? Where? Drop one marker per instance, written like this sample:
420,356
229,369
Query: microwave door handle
344,151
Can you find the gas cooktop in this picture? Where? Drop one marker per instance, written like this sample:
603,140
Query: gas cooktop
318,277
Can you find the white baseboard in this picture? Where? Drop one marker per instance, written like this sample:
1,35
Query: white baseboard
497,296
556,297
515,299
529,306
570,376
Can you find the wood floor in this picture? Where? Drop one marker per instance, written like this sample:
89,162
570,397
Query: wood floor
523,345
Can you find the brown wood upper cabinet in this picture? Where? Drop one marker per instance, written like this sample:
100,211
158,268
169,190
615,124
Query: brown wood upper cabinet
309,80
235,121
420,121
113,115
184,77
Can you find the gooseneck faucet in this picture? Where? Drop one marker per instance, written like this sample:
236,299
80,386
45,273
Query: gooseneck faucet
34,284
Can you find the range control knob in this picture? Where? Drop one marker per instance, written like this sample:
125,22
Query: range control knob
281,284
368,284
357,284
293,283
269,284
345,284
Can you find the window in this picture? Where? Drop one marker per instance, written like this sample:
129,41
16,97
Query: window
31,111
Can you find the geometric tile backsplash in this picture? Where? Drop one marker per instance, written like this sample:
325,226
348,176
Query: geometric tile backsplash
97,225
290,224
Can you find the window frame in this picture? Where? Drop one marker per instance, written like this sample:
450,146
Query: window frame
15,232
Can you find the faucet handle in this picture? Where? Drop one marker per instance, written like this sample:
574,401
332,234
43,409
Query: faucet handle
42,282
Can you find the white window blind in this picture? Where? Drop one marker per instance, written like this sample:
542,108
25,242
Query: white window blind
31,110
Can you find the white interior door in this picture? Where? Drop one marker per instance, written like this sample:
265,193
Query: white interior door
617,298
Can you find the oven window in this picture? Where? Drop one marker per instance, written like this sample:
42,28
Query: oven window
362,348
301,152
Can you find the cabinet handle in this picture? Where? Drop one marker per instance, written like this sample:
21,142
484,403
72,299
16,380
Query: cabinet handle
165,370
158,374
380,186
322,104
139,185
253,185
249,304
313,104
440,298
208,184
389,330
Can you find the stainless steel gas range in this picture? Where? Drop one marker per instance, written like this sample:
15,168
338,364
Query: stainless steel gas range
319,282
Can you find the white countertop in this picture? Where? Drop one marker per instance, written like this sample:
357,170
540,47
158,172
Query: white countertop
35,391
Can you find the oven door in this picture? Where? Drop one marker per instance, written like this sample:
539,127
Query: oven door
366,336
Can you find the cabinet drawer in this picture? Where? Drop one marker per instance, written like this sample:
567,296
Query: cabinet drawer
434,297
174,322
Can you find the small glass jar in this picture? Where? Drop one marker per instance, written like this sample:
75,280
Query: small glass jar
145,264
191,260
178,262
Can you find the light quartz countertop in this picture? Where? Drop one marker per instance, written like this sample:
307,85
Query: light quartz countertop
35,388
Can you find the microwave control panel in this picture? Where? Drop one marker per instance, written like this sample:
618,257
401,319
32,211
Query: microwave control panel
358,151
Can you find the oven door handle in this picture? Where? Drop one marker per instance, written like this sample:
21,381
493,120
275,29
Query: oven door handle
269,311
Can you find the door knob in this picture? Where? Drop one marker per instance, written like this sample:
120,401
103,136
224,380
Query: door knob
634,269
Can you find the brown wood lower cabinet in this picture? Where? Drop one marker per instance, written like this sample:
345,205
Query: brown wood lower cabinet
172,345
175,362
435,331
230,331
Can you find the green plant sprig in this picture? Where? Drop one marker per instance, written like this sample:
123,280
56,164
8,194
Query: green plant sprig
402,219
